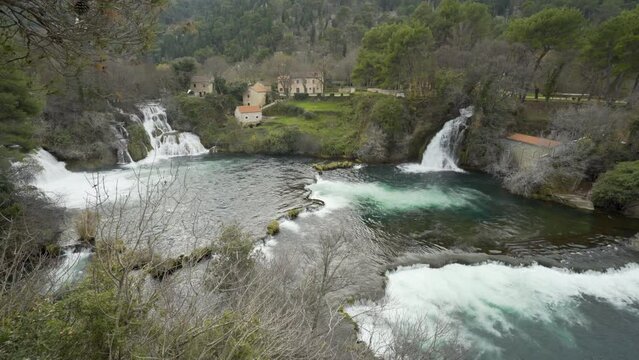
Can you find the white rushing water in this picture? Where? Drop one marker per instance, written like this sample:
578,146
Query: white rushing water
492,301
441,153
340,194
70,269
77,190
165,141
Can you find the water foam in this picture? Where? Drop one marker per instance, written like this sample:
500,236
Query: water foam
70,269
339,194
76,190
489,300
441,153
165,141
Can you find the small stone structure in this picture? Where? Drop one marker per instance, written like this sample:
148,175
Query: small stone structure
201,85
527,150
248,115
255,95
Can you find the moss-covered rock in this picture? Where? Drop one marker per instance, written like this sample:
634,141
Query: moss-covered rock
139,142
333,165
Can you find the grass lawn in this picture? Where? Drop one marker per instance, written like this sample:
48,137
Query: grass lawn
317,106
332,127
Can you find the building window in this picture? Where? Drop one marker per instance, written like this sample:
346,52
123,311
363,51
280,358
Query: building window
297,90
194,85
313,81
246,117
248,96
281,90
298,81
257,116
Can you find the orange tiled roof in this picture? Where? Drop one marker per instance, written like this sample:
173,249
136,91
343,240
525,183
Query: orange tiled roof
260,88
249,109
201,79
533,140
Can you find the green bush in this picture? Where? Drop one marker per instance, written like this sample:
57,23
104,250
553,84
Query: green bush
617,188
283,109
308,115
293,213
273,228
300,96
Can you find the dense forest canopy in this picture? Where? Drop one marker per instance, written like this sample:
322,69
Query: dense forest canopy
255,29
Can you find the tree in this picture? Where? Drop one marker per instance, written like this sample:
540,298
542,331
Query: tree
549,29
18,106
69,31
407,61
613,48
184,69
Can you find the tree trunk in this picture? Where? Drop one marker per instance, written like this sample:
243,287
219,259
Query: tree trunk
635,87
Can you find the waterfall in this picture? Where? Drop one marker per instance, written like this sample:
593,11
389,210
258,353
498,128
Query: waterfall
70,269
441,153
122,144
165,141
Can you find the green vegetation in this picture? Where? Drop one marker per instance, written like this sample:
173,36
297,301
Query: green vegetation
333,165
138,142
618,188
273,228
293,213
18,106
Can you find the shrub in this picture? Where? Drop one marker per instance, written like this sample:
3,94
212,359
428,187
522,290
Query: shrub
294,213
233,251
300,96
617,188
159,268
52,250
309,115
273,228
86,225
283,109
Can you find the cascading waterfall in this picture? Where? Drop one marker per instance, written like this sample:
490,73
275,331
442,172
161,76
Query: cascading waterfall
165,141
70,269
122,136
441,153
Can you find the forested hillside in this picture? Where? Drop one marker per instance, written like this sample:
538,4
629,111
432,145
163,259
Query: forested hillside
255,29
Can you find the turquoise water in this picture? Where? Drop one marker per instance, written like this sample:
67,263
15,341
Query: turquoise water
500,311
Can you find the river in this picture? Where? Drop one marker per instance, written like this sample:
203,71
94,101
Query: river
458,249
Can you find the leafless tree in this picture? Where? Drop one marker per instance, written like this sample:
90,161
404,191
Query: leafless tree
70,31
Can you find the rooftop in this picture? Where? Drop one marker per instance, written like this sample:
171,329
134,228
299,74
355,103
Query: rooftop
533,140
260,88
249,109
202,79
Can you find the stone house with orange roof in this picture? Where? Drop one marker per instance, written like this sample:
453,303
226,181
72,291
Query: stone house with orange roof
248,115
527,149
256,95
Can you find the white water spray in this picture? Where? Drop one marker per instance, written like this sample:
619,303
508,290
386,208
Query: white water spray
70,269
441,153
165,141
76,189
492,301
